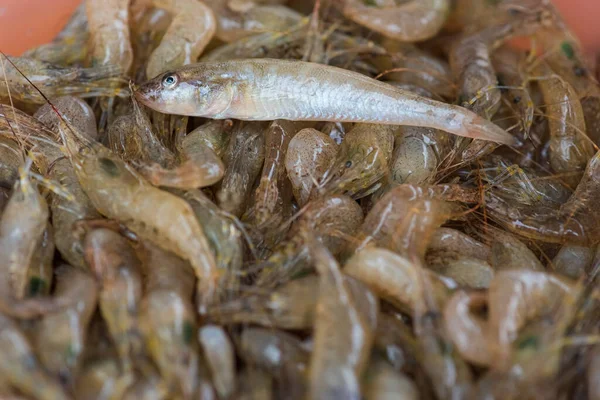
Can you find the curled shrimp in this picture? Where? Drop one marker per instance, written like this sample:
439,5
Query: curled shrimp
570,148
288,306
261,89
168,320
239,22
309,156
192,27
20,367
108,23
219,354
516,297
270,196
61,337
392,277
339,356
409,22
57,81
573,261
118,192
447,243
247,144
116,266
507,252
330,218
362,161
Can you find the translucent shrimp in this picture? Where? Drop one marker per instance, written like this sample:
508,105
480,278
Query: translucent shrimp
219,354
570,148
345,321
514,85
20,367
271,195
451,244
466,328
473,273
507,252
103,376
118,192
118,270
405,217
574,222
60,338
253,90
330,218
239,22
363,159
199,166
516,297
573,261
40,272
244,159
56,81
108,23
412,21
281,354
392,277
169,320
69,46
383,382
310,154
215,134
192,27
10,161
289,306
73,109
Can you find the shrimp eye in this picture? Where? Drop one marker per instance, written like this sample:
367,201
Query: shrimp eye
348,164
170,80
109,166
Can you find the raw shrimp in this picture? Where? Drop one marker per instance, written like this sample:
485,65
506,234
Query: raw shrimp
281,354
199,166
383,382
108,22
40,272
570,148
446,243
60,337
118,192
573,261
269,89
214,134
221,231
244,159
508,252
331,218
74,110
237,24
310,154
289,306
468,272
169,320
405,217
516,297
69,46
10,161
56,81
20,367
103,376
513,85
117,268
392,277
192,27
412,21
363,159
465,328
219,354
346,317
574,222
271,196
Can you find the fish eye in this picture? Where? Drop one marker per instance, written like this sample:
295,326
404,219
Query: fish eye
170,80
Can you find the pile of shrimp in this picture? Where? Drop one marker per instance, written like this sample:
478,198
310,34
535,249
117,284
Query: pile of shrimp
328,199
